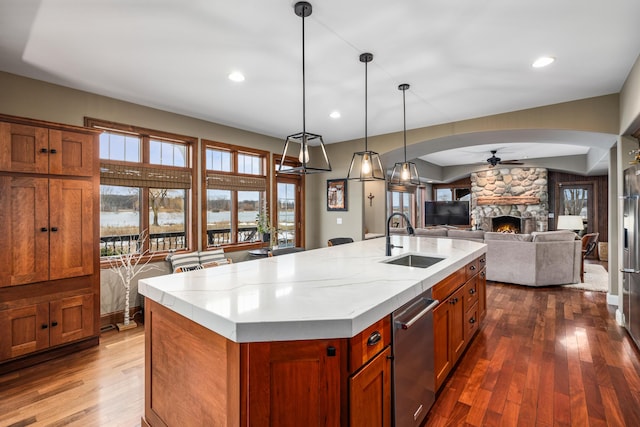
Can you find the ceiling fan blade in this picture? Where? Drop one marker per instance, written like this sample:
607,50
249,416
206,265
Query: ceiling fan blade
511,162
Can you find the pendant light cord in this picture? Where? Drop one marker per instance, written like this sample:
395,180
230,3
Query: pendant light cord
366,79
404,112
304,102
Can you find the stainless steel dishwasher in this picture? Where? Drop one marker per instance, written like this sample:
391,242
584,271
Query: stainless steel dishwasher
413,361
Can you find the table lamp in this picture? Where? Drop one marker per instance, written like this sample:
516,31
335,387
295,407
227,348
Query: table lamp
570,222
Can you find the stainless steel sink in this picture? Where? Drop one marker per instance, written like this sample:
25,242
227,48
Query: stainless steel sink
418,261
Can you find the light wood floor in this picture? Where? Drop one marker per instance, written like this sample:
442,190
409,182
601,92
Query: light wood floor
100,386
544,357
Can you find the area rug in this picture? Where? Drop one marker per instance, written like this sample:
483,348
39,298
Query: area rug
596,279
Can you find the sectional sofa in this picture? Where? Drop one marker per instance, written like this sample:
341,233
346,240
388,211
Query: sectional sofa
536,259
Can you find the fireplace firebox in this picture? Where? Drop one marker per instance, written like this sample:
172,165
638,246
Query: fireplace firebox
507,224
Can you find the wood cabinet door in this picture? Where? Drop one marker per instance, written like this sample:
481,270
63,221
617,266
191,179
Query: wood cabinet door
70,319
295,383
24,220
482,294
71,153
24,148
71,220
24,330
457,318
442,342
370,393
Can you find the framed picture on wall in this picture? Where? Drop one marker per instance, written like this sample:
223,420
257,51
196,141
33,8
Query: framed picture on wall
336,194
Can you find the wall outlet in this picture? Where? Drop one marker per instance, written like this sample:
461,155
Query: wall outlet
339,221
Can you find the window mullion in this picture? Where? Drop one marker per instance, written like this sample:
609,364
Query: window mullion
144,217
146,150
234,217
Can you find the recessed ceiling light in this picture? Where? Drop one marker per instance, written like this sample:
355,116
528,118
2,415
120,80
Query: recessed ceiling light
236,76
543,61
335,114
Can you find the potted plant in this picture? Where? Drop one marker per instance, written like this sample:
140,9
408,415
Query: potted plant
263,223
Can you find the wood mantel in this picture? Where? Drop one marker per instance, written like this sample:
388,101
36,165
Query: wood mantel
508,200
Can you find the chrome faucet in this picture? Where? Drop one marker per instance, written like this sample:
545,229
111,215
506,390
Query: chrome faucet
410,231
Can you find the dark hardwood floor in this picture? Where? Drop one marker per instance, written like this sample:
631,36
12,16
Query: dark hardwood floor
544,357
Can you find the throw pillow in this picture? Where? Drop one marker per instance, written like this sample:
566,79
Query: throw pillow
184,261
207,257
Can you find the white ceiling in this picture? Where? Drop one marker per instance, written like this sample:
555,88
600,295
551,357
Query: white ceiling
478,154
463,59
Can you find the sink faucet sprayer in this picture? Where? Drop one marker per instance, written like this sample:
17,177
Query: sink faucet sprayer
410,231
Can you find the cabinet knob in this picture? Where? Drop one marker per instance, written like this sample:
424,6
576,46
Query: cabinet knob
53,151
331,351
54,229
472,320
44,150
44,229
44,326
472,291
54,323
482,260
473,267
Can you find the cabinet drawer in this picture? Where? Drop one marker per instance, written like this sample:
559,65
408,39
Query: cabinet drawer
471,322
368,343
448,285
482,261
471,292
472,268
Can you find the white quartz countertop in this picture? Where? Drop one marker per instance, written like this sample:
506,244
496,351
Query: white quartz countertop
333,292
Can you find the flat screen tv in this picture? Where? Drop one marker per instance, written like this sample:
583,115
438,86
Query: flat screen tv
446,213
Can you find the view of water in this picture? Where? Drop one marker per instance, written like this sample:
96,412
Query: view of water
132,218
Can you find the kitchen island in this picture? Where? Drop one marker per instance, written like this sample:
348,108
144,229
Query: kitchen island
269,341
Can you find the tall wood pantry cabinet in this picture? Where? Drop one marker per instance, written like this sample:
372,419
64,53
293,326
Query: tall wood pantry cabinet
49,228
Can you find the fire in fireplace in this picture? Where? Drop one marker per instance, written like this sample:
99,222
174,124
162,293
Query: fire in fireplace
506,224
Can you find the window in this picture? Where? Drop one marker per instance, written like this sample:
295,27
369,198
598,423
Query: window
401,202
236,189
145,184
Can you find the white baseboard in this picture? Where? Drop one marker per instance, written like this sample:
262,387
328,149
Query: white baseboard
619,317
612,299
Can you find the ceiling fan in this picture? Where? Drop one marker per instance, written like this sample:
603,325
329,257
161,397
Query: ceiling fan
494,160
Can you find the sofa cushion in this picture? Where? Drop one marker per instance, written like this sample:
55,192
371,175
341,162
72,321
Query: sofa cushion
466,234
493,235
553,236
398,230
431,232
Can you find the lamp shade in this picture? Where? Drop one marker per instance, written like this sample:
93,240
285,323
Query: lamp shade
570,222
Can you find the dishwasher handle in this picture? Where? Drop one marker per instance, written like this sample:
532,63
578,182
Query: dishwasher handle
406,325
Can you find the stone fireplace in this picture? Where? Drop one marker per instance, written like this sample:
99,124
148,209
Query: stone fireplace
516,196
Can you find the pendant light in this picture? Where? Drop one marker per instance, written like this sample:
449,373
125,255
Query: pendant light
366,165
405,173
297,145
